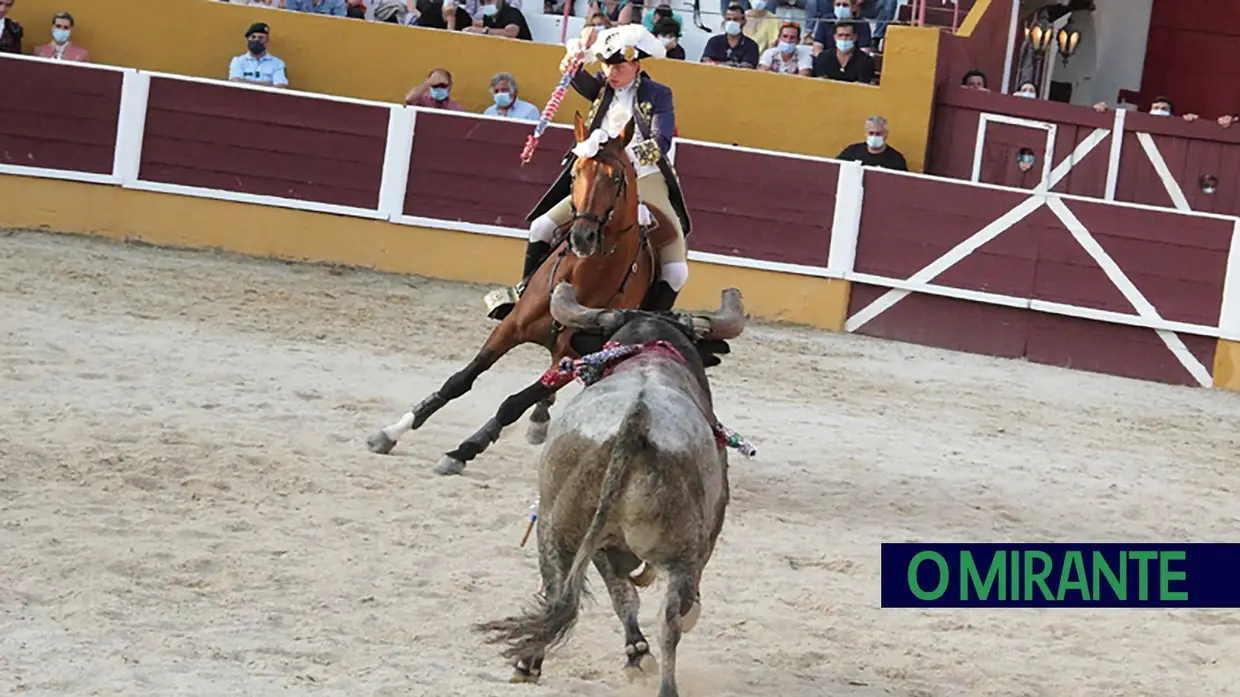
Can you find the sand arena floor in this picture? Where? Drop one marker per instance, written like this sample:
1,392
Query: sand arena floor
187,505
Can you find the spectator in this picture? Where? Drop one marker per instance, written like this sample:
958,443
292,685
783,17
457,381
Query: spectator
599,21
256,66
843,62
874,152
790,57
507,105
397,12
762,26
1161,106
435,92
845,11
668,32
618,11
500,19
335,8
1227,120
355,9
1027,90
663,10
474,7
434,14
732,47
273,4
975,80
10,31
60,48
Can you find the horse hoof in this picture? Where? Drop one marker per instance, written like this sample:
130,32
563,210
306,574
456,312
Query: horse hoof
643,576
449,465
536,434
689,620
380,443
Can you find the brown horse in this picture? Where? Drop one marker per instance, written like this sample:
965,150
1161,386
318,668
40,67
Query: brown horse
610,262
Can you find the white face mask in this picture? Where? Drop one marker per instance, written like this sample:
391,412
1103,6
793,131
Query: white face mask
1159,112
1027,94
732,27
874,142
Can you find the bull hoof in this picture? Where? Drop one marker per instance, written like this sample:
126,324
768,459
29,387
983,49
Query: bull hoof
449,465
521,677
642,664
380,443
536,434
643,576
689,620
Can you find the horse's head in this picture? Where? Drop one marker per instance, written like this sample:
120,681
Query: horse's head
603,185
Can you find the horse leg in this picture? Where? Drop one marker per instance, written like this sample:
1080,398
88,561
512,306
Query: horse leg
612,565
509,411
502,340
540,420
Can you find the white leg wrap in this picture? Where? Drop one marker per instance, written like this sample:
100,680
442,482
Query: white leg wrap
542,229
676,273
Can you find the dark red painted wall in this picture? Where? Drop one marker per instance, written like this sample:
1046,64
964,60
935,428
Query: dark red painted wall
1191,56
1178,262
469,169
983,51
256,142
58,115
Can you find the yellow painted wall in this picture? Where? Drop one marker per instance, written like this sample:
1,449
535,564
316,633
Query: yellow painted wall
381,62
1227,365
184,221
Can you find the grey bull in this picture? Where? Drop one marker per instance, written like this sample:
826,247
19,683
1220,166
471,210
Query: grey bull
632,472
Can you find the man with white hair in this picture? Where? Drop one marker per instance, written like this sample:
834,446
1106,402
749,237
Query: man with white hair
622,91
875,152
504,93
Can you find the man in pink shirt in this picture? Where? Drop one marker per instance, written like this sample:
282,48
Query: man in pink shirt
435,92
60,48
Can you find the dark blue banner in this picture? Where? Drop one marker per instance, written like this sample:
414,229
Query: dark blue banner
1198,575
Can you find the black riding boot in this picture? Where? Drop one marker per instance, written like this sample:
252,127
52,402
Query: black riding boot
661,298
535,254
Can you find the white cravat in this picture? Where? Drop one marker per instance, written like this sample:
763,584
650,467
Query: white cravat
617,117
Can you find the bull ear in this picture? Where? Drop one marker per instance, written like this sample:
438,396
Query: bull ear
579,127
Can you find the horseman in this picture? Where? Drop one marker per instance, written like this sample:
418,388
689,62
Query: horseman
622,91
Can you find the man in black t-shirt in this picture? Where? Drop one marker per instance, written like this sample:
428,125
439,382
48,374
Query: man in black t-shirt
501,19
875,152
845,62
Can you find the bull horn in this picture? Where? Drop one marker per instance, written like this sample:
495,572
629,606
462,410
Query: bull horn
567,311
729,320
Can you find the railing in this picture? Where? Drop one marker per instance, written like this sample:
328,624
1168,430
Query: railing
1130,289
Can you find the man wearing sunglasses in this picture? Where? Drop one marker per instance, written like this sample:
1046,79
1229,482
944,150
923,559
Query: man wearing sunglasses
435,92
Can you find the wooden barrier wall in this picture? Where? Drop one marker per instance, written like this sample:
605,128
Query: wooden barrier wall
1015,271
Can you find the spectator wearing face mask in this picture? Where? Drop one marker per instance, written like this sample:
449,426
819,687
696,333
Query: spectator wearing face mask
844,63
843,11
875,152
435,92
334,8
355,9
732,48
435,14
10,31
618,11
1027,90
60,48
668,32
504,94
663,10
257,66
790,56
974,80
600,21
1161,106
500,19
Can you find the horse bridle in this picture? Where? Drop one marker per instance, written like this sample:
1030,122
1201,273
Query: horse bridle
620,182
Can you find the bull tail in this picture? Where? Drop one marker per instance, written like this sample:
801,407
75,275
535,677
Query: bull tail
549,623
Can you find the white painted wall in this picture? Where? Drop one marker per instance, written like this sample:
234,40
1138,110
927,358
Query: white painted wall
1111,53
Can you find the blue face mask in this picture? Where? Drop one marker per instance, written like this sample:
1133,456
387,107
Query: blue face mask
843,12
60,36
489,10
732,27
786,47
874,142
439,94
845,45
502,99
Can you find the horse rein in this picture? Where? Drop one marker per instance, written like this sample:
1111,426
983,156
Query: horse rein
621,184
